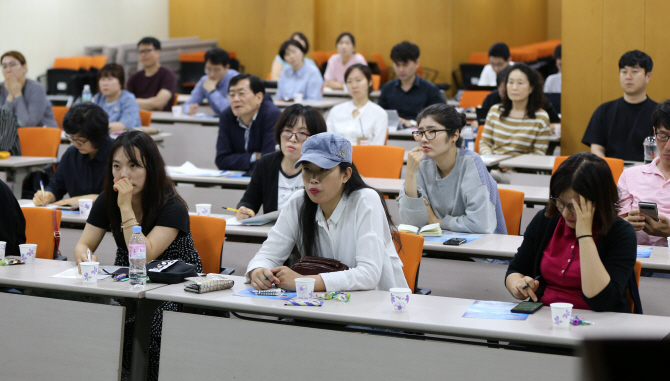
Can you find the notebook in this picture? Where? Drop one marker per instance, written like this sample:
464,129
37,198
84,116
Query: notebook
394,120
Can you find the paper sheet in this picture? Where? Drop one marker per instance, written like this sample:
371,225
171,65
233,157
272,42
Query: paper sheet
190,169
249,292
73,273
493,310
448,235
259,220
644,252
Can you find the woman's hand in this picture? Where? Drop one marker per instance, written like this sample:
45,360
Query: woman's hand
584,210
432,218
262,278
81,256
518,290
13,87
636,219
286,277
42,199
244,213
125,191
414,158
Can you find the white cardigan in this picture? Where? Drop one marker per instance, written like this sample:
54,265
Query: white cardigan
371,123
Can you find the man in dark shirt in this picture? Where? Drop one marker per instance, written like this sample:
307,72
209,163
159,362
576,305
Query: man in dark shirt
246,127
154,87
12,222
618,128
409,93
81,170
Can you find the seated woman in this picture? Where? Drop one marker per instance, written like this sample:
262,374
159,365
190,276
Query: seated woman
577,248
25,97
359,120
519,125
447,184
299,77
278,64
81,170
119,104
12,223
137,191
337,216
275,177
340,62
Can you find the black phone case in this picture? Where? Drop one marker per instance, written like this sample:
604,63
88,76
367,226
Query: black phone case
454,243
520,311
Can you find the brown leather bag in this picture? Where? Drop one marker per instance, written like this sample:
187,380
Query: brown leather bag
317,265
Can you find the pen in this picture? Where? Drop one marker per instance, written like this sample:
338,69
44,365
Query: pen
88,254
527,285
235,210
42,186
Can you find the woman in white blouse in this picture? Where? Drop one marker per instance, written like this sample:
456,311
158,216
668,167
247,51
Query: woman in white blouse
336,216
359,120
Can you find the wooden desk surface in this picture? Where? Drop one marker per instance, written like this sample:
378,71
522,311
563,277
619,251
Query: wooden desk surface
25,161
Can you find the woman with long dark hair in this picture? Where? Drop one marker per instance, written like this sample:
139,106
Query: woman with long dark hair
337,216
137,192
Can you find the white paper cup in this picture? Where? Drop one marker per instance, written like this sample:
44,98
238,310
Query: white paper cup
203,209
400,298
561,313
28,252
304,287
3,246
297,97
85,205
89,271
177,110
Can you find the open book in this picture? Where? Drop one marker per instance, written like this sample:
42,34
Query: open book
431,230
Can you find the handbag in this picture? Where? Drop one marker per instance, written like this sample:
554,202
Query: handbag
316,265
170,271
56,254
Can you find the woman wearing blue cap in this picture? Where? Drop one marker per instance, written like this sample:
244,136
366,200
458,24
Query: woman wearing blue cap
336,216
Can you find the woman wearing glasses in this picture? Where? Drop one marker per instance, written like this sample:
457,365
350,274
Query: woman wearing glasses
577,250
80,172
25,97
447,184
275,177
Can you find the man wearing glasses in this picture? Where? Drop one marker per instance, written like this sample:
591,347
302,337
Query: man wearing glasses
246,127
650,183
155,86
213,86
499,58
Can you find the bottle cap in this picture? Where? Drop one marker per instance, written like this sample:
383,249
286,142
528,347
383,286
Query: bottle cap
137,229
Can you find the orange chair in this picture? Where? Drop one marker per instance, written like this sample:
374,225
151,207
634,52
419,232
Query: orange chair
637,270
59,114
192,56
145,118
71,63
97,62
616,165
376,80
84,62
512,208
479,58
472,98
410,255
480,130
383,68
379,161
320,57
40,230
39,141
208,236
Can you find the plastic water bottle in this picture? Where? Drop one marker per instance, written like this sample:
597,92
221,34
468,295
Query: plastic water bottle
86,94
468,138
137,258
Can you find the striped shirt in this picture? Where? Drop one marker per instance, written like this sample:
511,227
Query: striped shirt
514,136
9,136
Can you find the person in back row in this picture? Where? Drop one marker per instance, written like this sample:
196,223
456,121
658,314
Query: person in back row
300,77
553,82
213,86
119,104
154,86
447,184
409,93
618,128
278,64
499,58
12,223
246,126
81,169
340,62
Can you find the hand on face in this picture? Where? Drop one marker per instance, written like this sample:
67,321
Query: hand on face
210,84
584,210
125,190
414,158
13,85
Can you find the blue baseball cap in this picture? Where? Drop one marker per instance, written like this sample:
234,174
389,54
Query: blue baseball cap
326,150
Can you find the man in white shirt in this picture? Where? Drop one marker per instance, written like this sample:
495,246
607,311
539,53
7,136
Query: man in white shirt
553,82
499,58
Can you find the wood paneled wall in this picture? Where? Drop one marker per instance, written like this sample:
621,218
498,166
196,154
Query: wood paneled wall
595,34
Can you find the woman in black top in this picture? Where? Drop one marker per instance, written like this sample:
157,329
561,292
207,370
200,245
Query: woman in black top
137,191
12,222
274,179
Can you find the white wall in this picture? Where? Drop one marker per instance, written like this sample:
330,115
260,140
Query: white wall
45,29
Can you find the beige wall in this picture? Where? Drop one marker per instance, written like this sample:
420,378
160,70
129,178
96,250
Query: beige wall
554,19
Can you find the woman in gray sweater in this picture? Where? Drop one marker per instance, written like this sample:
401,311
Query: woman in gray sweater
447,184
26,98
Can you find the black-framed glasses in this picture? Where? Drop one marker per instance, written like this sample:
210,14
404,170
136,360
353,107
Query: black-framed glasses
76,141
561,205
299,136
145,51
430,134
662,137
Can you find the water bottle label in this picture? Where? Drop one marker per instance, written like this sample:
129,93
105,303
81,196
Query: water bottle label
138,251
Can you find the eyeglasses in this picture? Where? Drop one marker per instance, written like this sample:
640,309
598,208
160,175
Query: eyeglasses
76,141
237,95
561,205
299,136
213,70
11,65
662,137
145,51
430,134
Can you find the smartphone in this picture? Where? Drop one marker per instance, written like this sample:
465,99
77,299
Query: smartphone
455,241
649,208
67,207
526,307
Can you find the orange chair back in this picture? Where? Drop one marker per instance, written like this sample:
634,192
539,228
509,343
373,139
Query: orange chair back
512,208
97,62
59,114
39,141
637,270
40,230
480,130
472,98
379,161
376,80
381,64
479,58
616,166
320,57
208,236
410,255
84,62
145,117
192,57
72,63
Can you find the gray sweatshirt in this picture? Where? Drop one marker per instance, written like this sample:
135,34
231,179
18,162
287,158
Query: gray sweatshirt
32,109
466,200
